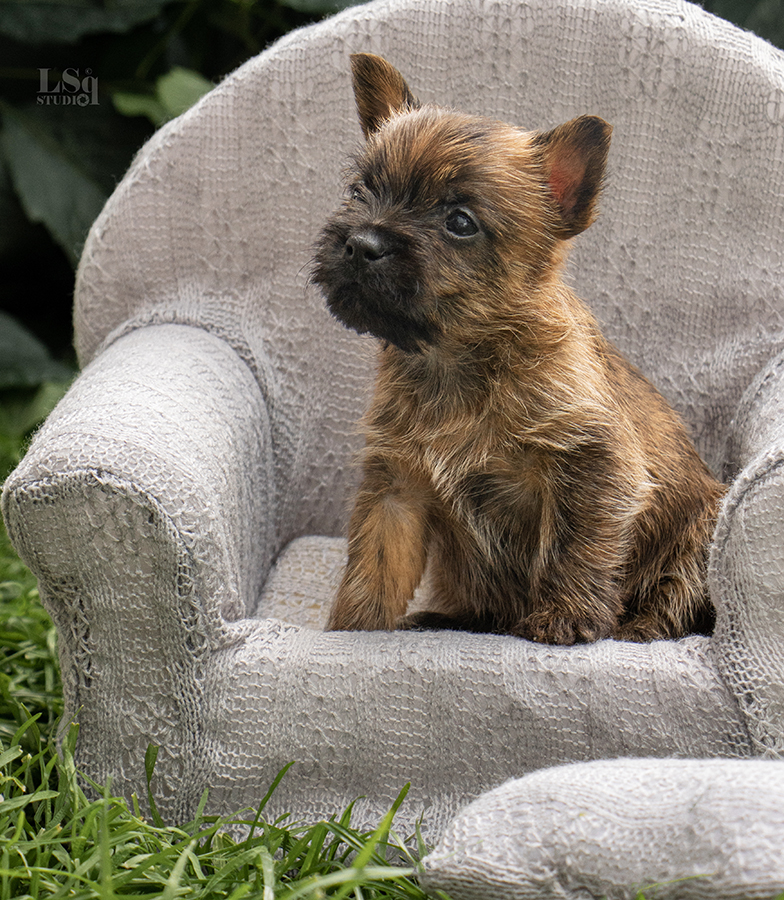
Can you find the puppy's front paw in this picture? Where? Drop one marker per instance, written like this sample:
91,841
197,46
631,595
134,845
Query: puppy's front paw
342,619
544,627
355,612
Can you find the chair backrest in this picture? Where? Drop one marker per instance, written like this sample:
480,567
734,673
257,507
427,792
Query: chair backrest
215,222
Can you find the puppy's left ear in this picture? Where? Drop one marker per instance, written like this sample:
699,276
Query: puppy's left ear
379,90
575,157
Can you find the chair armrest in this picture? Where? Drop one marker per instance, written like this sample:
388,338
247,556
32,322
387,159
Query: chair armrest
669,828
746,571
145,507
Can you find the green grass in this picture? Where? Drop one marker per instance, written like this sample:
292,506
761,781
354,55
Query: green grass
57,842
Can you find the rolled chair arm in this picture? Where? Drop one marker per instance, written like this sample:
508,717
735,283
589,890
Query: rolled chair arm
747,562
145,508
666,828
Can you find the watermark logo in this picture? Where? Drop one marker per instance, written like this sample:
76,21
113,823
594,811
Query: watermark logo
72,88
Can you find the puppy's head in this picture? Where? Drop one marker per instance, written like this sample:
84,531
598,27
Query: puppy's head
449,217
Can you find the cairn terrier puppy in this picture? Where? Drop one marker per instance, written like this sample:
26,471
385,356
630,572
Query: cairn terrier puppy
554,493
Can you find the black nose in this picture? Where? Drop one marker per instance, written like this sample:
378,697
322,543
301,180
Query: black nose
365,247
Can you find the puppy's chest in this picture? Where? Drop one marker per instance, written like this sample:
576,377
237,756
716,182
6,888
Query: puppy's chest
486,474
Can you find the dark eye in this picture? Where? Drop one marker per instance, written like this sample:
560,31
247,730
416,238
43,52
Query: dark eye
357,192
461,223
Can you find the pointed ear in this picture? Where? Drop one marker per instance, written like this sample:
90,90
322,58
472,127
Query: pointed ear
575,156
379,90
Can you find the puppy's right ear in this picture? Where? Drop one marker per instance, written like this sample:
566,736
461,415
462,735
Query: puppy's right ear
575,156
379,90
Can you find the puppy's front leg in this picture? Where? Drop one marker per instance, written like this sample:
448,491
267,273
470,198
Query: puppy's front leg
387,550
577,573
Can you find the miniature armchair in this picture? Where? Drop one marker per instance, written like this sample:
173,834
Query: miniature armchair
184,506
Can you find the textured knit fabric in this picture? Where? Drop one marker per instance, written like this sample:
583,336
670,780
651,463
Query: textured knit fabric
211,433
673,829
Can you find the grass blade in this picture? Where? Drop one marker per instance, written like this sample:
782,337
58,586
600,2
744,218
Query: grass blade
150,758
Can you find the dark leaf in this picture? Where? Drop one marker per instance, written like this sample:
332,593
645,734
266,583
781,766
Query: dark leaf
318,7
64,161
24,360
53,184
65,21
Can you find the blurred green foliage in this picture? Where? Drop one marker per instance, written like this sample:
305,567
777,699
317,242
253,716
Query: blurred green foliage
83,83
763,17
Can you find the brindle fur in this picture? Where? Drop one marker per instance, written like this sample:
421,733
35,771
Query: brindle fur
555,494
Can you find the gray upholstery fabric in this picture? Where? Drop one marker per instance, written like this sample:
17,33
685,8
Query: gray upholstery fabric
674,829
213,425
